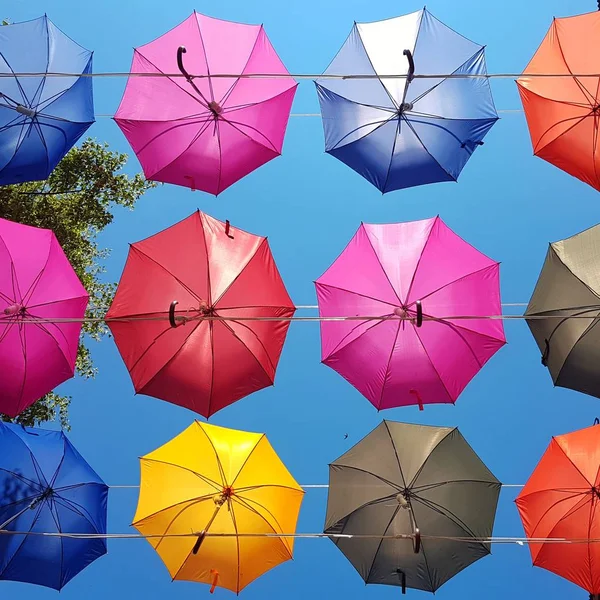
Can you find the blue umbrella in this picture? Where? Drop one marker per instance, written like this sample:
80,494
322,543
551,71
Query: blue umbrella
47,487
41,117
404,131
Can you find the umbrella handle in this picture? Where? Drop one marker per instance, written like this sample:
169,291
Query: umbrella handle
546,351
198,543
402,576
597,420
419,310
417,541
411,65
227,226
172,321
180,52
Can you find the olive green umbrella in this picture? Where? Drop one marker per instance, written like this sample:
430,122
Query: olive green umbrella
564,310
399,497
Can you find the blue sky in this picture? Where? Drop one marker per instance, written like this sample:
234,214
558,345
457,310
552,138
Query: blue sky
507,203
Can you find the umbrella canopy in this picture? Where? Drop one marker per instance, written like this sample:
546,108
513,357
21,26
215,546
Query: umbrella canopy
221,483
562,112
206,131
414,481
47,487
564,309
560,500
404,291
190,316
37,283
402,132
41,117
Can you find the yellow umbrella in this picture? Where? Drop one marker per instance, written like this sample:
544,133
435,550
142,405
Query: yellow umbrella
211,480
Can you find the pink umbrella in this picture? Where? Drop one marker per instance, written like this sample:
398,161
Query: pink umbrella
210,128
37,287
404,291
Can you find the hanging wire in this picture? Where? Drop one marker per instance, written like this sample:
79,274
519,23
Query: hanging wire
302,76
405,536
306,487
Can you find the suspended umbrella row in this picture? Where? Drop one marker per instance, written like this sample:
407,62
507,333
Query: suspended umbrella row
405,102
409,506
410,313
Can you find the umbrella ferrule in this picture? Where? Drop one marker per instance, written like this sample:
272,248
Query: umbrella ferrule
215,108
24,110
405,107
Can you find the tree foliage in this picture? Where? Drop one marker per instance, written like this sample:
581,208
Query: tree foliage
76,202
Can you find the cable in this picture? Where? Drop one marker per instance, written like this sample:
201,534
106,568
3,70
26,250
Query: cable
402,536
306,487
302,76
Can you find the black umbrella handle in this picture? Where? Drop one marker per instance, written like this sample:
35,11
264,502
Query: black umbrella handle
402,576
417,541
546,353
419,313
180,52
597,420
172,320
411,64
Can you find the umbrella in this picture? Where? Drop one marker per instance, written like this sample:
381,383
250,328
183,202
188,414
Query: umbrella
231,489
37,283
564,309
560,500
562,112
47,487
406,131
210,128
409,295
41,117
417,482
190,315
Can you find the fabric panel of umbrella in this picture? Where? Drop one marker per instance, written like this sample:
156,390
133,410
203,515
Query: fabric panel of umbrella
174,314
41,118
38,287
560,500
562,112
213,480
404,132
564,311
47,487
414,480
205,132
416,279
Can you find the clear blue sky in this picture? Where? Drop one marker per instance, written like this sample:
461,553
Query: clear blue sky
507,203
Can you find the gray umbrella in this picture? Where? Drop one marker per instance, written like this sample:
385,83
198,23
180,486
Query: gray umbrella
564,312
424,482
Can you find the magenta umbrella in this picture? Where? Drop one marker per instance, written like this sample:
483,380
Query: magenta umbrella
406,292
207,129
38,290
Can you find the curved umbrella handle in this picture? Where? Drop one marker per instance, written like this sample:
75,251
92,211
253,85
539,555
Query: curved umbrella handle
417,541
546,353
172,321
199,541
180,52
402,576
419,313
597,420
411,64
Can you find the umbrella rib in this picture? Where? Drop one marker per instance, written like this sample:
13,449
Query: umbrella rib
31,306
218,486
414,275
242,72
339,346
217,134
392,439
595,143
418,473
60,94
248,261
228,326
235,124
396,136
56,520
562,54
181,283
174,81
246,460
23,95
251,488
25,128
217,458
194,501
580,119
76,508
590,327
382,479
237,540
432,486
576,314
211,333
335,287
381,265
246,503
452,177
434,368
425,93
379,124
26,480
210,87
385,377
589,550
394,514
23,341
42,84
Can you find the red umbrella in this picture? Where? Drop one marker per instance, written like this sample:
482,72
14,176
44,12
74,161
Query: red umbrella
189,314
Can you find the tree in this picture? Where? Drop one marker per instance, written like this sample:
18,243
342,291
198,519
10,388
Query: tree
76,202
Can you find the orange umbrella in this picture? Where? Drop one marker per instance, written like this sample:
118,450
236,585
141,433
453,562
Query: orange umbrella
562,500
563,112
